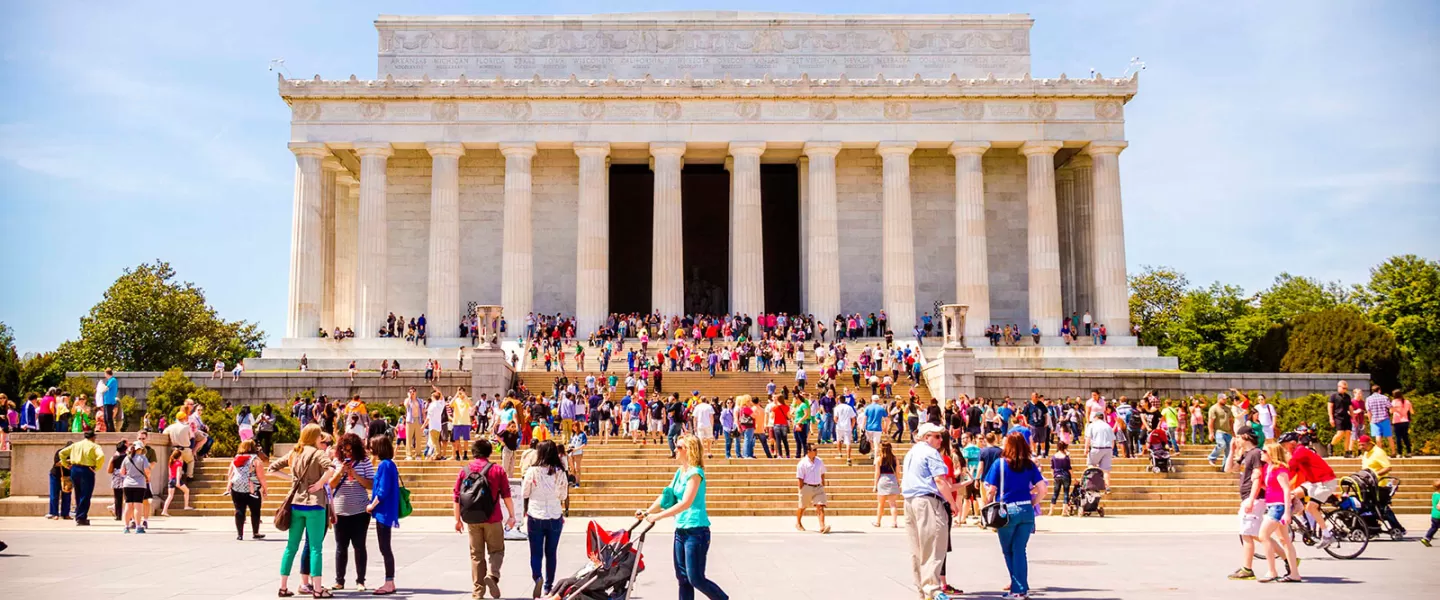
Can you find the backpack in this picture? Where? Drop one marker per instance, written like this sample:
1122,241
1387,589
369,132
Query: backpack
1133,420
243,479
477,500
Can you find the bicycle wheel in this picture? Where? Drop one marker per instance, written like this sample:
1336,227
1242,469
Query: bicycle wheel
1351,536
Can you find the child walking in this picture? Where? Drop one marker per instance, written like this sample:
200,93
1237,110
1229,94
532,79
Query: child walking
1434,514
177,480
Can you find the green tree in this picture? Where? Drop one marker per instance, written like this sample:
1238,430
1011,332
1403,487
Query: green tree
40,371
1155,297
1341,340
1215,329
9,364
148,321
1291,296
1404,298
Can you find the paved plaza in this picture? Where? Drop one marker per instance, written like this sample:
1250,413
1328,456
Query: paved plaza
761,559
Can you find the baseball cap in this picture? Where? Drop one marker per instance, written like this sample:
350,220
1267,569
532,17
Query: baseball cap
927,429
1288,437
1364,439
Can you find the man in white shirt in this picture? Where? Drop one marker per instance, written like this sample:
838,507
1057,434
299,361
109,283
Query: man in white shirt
1087,320
1099,445
1267,414
704,416
844,427
810,477
182,437
434,419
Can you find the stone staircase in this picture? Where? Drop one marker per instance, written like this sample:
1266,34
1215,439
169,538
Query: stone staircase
620,476
723,385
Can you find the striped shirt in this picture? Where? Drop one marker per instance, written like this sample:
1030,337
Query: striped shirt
351,497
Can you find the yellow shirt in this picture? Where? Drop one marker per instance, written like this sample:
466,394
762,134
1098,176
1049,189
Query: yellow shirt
1375,460
462,411
85,453
540,433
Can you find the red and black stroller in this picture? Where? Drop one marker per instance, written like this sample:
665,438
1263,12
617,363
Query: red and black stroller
615,560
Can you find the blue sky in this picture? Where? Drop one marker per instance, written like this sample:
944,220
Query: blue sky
1267,136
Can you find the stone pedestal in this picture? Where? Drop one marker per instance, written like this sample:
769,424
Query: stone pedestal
957,372
32,454
490,373
488,317
952,325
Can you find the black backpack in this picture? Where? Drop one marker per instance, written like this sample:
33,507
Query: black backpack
1133,421
477,500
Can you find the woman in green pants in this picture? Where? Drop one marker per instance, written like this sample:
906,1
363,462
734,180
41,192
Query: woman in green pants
309,468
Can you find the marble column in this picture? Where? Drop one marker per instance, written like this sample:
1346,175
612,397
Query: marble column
1043,245
667,267
330,167
1065,227
442,295
747,257
972,261
592,249
803,168
1111,292
373,254
897,243
347,223
307,236
823,233
517,288
1083,205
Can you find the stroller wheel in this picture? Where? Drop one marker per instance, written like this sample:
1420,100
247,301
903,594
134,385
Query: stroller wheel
1100,511
1397,535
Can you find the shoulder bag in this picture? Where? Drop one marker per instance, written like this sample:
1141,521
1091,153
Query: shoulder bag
405,506
281,519
994,515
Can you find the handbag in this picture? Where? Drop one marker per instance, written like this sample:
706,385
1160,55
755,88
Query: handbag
281,520
405,507
994,515
864,446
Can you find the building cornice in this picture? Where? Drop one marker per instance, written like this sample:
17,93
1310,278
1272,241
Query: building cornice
574,87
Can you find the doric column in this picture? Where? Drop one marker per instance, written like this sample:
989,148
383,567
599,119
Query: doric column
1111,294
1043,247
1083,205
747,256
667,267
374,248
972,263
442,296
897,244
517,289
306,277
1065,228
592,249
330,167
802,166
823,232
347,223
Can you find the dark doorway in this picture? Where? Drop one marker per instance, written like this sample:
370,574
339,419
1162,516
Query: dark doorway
780,218
705,223
632,220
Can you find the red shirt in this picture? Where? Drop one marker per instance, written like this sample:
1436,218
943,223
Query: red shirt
1307,467
780,414
499,483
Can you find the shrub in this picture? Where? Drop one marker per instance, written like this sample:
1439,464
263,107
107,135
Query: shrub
1341,340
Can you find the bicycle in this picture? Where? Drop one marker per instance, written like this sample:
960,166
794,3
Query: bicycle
1350,535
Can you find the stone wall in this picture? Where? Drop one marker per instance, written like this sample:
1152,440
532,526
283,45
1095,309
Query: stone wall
277,388
407,210
857,202
932,202
482,214
1056,384
1005,231
556,190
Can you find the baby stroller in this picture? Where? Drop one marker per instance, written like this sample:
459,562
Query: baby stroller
614,562
1087,493
1370,496
1158,444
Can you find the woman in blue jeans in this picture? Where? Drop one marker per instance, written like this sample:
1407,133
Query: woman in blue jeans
545,486
684,499
1017,481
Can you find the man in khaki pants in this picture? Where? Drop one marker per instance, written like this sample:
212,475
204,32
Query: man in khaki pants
925,486
487,537
414,424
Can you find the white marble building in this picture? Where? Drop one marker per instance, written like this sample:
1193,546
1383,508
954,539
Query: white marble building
932,168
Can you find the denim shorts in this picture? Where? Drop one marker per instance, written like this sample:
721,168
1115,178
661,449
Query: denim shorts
1274,512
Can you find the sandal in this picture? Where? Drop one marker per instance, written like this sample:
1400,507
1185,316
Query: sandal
1268,579
1291,579
285,593
321,592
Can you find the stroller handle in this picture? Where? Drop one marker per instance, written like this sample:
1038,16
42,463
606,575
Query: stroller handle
638,522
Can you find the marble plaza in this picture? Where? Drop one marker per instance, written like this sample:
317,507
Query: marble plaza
705,162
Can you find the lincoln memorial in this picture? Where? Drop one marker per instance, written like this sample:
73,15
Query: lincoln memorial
704,162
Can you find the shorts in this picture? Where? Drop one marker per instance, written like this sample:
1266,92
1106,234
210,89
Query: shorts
1250,521
460,432
174,483
812,495
705,433
1275,512
844,436
874,439
1321,492
134,495
634,424
1381,429
1100,457
1342,426
656,425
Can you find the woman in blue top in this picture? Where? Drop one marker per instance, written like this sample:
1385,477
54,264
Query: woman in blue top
385,505
684,499
1020,485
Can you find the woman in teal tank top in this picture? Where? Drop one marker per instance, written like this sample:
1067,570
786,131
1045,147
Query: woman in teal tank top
684,499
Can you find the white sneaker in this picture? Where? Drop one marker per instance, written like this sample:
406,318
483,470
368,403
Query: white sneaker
1326,539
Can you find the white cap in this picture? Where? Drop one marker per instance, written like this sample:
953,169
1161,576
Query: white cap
927,429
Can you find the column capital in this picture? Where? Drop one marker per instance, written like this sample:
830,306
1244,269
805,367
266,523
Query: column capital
1033,147
1105,147
592,148
963,147
345,178
747,148
317,149
330,163
668,148
902,148
526,149
821,148
455,149
1066,174
381,149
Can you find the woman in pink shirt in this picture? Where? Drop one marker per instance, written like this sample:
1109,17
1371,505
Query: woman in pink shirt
1274,531
1400,410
